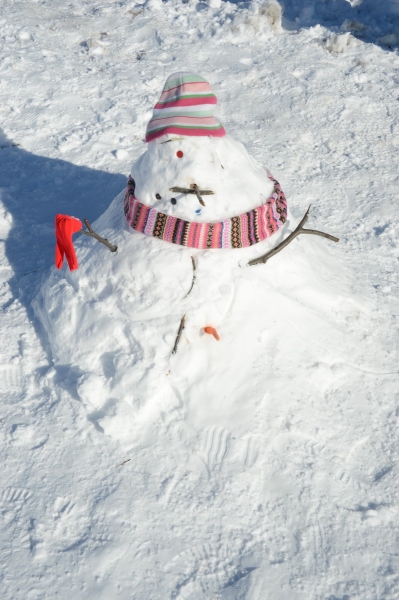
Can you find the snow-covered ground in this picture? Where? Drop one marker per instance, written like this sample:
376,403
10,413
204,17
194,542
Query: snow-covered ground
263,466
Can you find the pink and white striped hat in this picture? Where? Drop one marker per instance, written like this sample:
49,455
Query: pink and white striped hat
185,108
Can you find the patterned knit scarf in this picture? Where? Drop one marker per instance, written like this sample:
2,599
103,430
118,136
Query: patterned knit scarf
238,232
185,108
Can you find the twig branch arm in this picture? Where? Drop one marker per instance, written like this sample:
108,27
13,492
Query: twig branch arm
328,236
297,231
92,233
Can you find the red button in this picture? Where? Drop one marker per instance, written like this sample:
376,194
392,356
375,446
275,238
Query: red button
179,154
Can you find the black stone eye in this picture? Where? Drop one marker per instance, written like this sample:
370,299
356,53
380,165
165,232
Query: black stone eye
173,200
158,196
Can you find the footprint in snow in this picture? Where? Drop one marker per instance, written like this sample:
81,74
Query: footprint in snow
215,445
15,495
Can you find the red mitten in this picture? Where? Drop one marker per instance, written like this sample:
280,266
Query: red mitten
64,228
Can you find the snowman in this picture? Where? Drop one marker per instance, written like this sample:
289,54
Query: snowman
196,209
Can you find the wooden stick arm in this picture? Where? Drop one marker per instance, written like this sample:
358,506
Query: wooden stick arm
297,231
92,233
328,236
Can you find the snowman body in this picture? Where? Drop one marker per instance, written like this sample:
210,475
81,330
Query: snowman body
123,311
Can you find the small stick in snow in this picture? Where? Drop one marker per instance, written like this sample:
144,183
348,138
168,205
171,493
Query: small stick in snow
297,231
193,281
92,233
172,140
181,327
125,461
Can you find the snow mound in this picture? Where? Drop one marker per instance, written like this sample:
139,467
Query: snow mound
339,43
114,322
264,20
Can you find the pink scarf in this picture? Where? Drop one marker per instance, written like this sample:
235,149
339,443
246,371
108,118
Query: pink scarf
237,232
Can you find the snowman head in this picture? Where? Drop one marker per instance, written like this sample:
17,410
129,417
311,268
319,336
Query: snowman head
184,152
195,185
185,108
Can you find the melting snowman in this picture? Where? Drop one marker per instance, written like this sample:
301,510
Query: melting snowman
196,206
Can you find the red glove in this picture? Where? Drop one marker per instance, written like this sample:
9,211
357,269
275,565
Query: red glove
64,228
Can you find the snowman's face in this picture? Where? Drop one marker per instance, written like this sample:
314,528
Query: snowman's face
218,165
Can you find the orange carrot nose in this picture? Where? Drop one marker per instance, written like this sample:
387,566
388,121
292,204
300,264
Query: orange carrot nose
212,331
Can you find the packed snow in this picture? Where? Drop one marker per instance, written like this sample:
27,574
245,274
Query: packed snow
260,466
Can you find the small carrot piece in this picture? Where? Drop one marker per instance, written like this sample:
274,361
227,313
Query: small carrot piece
212,331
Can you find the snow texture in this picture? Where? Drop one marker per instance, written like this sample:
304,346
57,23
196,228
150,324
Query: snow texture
260,467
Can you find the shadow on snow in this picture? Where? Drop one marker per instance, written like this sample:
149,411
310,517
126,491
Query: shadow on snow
368,20
32,190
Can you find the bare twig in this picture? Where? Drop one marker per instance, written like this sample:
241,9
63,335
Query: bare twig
194,186
181,327
95,235
172,140
125,461
193,281
191,190
297,231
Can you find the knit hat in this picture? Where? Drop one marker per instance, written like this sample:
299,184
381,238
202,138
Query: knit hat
185,108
